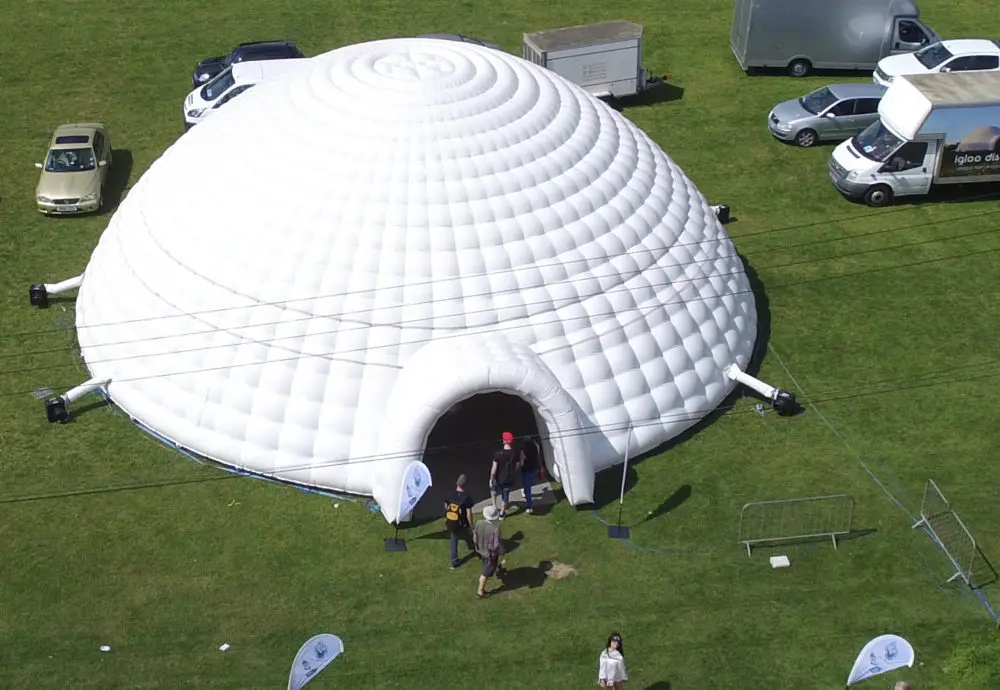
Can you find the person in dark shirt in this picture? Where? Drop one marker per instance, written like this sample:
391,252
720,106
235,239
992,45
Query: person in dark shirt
458,518
506,463
531,462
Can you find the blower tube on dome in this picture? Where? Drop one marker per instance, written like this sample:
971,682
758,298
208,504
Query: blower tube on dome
782,401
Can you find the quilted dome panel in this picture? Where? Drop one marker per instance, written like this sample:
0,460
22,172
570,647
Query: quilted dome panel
257,295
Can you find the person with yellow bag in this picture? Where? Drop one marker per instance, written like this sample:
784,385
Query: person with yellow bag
458,519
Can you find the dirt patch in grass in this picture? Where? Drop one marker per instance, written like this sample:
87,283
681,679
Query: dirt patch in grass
560,571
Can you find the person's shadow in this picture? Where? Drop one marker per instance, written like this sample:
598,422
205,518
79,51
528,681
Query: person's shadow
509,543
530,577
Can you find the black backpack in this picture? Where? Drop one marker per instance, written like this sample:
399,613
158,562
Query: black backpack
506,460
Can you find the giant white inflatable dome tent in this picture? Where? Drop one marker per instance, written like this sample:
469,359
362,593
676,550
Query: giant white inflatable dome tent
302,285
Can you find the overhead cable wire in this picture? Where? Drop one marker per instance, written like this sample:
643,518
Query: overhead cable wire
690,417
463,330
302,356
665,249
223,367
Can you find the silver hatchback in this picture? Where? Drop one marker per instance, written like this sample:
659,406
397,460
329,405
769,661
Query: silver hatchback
831,113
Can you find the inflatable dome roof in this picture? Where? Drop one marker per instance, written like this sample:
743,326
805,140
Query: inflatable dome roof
303,284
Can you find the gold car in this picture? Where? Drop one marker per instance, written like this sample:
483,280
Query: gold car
75,170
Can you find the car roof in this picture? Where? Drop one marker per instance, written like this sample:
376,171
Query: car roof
262,44
260,70
857,90
460,38
79,129
965,46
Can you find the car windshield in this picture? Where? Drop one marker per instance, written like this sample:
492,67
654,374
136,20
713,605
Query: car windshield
69,160
218,85
876,143
933,55
818,101
231,95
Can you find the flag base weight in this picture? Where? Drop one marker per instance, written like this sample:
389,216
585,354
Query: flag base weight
395,544
618,532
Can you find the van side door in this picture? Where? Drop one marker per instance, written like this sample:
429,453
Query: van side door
908,36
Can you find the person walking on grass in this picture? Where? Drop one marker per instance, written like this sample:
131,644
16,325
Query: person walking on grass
531,461
506,463
458,519
487,539
611,673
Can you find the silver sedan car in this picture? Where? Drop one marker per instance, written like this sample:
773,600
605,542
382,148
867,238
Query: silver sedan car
830,113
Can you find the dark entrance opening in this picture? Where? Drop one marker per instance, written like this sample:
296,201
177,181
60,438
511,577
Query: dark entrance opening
463,442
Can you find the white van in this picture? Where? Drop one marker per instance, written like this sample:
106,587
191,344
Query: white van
229,83
932,129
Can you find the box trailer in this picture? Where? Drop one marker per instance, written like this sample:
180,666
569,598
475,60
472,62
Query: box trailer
933,129
800,35
604,58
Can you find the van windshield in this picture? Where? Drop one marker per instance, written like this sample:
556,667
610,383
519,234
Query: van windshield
218,85
933,55
876,142
817,101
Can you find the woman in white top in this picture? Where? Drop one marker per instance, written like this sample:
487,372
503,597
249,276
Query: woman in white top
612,668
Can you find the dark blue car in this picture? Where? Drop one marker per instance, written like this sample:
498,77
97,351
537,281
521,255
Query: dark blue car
244,52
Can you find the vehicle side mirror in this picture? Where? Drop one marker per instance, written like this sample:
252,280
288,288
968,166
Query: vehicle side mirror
102,163
831,114
946,69
39,166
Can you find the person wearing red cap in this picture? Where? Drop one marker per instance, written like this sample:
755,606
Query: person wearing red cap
506,463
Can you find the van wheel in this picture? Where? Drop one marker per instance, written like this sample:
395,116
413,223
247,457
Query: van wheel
878,196
806,138
799,68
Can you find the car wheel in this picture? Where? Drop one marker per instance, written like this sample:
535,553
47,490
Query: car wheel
806,138
878,196
799,68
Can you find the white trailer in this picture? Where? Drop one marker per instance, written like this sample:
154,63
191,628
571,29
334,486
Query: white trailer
604,58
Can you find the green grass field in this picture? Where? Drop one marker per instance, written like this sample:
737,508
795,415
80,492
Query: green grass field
883,322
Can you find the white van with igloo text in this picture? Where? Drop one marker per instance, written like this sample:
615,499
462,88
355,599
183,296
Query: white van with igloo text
932,129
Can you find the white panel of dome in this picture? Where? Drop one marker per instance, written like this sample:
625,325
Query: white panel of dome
408,203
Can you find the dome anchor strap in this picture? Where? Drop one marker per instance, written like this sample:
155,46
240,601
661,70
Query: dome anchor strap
39,293
57,407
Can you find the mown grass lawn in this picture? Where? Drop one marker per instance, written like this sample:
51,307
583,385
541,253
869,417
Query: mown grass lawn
883,322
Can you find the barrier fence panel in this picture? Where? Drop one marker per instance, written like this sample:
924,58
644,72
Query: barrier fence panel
939,518
769,522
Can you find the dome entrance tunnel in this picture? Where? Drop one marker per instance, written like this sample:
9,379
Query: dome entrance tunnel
463,441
